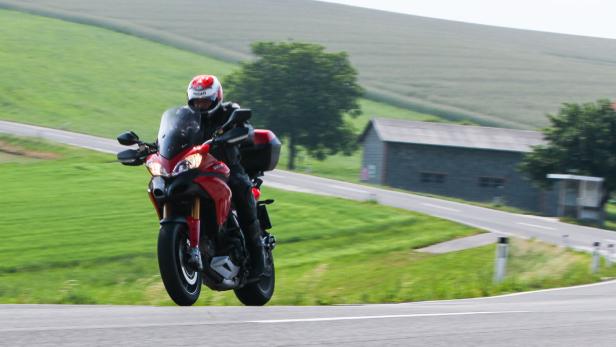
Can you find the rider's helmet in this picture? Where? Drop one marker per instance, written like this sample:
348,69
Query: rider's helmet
204,94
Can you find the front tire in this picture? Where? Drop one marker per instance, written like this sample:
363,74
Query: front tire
259,293
182,283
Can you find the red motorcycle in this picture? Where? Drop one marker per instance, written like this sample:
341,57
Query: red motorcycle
189,192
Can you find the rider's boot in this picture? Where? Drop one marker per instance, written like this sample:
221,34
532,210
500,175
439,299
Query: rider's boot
254,243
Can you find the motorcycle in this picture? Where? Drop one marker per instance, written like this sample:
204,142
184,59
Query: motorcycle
200,239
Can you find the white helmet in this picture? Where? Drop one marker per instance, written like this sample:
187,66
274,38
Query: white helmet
206,87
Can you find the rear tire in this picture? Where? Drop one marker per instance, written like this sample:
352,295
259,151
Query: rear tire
259,293
182,283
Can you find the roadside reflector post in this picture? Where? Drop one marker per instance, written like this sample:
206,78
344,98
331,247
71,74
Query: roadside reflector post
610,254
500,264
595,257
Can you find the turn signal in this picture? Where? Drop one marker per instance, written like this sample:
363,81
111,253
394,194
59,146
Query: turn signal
156,168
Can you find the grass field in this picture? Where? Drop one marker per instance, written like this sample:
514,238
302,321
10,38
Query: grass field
100,82
610,220
80,229
495,76
96,81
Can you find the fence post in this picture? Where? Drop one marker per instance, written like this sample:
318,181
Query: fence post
500,264
595,257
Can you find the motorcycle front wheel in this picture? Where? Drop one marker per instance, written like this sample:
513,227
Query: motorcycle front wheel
182,283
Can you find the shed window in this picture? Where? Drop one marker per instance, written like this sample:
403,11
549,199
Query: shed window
491,182
432,177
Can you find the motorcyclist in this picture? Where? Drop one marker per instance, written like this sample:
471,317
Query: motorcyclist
205,95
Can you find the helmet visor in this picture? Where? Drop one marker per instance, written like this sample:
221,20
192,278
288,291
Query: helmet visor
202,104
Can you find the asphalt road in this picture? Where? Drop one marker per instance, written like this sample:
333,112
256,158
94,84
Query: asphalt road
578,316
500,223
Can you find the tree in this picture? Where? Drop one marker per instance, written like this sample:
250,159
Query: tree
581,139
300,92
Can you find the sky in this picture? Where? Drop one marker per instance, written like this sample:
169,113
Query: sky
578,17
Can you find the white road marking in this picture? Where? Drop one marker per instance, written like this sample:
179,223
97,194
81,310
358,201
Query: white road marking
539,291
441,207
536,226
201,323
272,321
440,302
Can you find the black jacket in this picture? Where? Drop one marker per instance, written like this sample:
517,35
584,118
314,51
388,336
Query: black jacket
229,154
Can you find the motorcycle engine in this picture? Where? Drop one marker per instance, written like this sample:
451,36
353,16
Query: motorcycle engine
224,261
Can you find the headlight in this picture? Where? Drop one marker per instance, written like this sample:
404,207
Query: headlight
191,162
156,168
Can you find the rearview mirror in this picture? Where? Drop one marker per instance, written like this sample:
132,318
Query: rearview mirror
128,138
237,117
241,115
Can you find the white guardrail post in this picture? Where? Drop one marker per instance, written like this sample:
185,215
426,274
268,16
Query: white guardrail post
500,264
595,257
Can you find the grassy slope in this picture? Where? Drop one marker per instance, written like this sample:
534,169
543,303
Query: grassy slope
96,81
100,82
80,229
88,79
496,75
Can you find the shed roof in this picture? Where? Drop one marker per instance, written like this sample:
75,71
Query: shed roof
575,177
454,135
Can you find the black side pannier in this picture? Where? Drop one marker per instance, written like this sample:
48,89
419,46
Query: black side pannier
262,154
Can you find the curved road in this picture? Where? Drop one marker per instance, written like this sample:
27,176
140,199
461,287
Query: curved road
578,316
498,222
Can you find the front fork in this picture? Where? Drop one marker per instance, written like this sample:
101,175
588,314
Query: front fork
194,225
194,230
193,221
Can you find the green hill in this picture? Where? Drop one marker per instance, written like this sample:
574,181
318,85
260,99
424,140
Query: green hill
492,75
97,81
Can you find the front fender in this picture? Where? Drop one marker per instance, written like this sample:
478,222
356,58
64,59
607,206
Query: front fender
193,226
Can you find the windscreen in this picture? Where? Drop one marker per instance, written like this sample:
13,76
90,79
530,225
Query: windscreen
179,129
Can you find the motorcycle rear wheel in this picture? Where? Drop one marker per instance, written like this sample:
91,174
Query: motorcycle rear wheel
259,293
182,283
